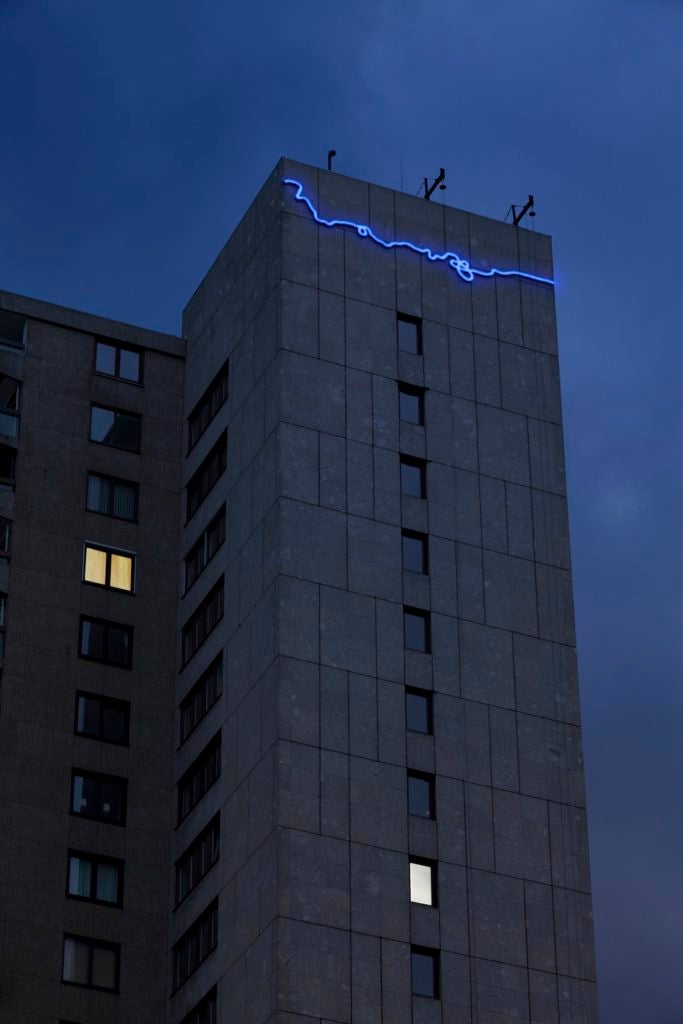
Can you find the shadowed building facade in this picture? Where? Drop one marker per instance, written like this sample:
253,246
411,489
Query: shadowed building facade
290,724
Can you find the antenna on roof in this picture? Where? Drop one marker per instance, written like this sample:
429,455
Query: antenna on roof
440,182
518,213
330,154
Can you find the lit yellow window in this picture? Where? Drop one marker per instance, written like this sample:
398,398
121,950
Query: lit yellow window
108,568
95,566
121,573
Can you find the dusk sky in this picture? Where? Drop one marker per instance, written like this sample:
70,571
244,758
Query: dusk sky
135,134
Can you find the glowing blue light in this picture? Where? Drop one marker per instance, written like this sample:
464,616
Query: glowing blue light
458,263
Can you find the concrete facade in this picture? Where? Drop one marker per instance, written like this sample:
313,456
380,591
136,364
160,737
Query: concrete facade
315,921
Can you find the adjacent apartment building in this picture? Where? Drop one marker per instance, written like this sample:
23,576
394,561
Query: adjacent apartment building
289,721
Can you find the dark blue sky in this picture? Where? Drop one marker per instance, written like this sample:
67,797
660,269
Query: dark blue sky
134,135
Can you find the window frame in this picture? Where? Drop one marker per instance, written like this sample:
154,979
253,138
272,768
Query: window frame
112,702
412,391
199,688
9,481
220,383
204,1003
132,555
407,318
3,622
117,412
6,529
212,751
423,538
99,777
415,463
92,944
112,481
201,615
220,449
430,779
119,347
95,859
434,956
202,543
418,613
211,831
107,623
427,696
193,934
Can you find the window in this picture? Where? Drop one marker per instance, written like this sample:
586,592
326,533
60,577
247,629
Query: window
8,463
9,406
202,621
413,477
202,552
115,428
112,497
102,797
201,697
205,1012
411,404
199,777
102,718
94,878
203,480
422,882
409,330
414,551
198,941
5,536
91,963
3,614
424,970
419,711
416,629
12,327
114,360
105,641
207,407
197,860
421,794
108,568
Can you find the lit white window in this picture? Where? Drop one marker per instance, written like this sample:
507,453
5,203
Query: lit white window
422,883
106,568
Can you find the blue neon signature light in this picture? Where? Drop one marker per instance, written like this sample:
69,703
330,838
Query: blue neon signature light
458,263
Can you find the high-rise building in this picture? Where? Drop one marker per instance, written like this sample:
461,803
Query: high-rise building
289,713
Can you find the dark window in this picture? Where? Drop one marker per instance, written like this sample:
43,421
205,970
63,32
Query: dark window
199,777
206,476
201,697
3,616
419,711
98,796
8,464
409,334
416,629
106,641
423,882
424,968
415,551
205,1012
94,878
413,477
421,794
12,328
198,941
102,718
197,860
207,406
115,428
122,361
5,535
105,567
112,497
91,963
202,621
202,552
9,406
411,404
